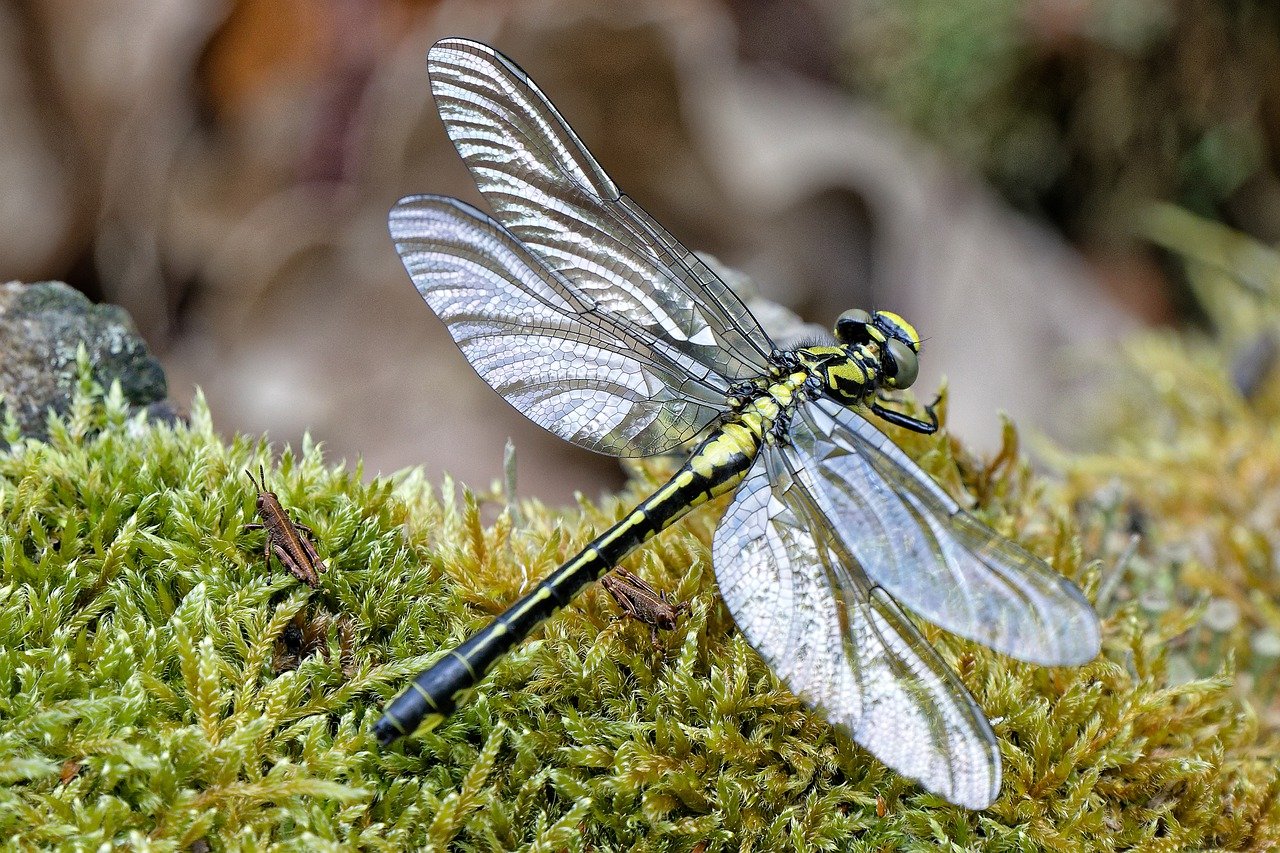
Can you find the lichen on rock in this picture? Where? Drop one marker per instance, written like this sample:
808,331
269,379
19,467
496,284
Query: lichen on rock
42,328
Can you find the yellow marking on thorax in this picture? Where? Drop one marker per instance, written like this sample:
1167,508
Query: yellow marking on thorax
761,413
849,370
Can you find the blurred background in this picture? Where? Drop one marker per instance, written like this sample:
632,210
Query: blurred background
988,168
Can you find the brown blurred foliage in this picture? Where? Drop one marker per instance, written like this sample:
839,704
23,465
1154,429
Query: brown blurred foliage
1086,111
223,171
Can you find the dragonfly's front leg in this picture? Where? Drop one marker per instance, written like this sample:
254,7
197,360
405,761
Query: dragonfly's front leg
904,420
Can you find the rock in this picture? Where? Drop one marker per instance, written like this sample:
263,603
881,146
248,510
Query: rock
41,327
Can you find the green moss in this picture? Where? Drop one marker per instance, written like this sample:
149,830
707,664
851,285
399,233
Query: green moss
139,702
1192,464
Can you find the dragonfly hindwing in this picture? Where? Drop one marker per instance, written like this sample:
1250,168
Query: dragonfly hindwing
842,645
589,377
908,536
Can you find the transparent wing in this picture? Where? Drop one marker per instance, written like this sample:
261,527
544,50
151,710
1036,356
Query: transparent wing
938,560
548,190
586,375
841,644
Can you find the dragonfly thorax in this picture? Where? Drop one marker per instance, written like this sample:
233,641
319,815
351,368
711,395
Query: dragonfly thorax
875,351
847,374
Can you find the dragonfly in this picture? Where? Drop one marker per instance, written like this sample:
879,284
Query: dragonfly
592,320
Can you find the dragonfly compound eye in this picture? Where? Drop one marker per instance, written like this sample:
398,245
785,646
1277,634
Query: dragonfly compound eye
902,365
853,327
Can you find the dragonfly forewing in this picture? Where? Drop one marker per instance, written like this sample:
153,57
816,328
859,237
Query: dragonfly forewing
591,378
932,555
545,186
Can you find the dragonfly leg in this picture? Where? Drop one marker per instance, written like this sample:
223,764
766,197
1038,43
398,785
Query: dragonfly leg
901,419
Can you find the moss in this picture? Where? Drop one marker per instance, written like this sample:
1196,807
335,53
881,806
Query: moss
139,702
1191,463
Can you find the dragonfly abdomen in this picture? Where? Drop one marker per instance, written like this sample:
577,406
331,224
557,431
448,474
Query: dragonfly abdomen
718,465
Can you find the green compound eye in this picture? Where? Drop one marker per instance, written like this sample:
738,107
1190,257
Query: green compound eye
902,365
852,327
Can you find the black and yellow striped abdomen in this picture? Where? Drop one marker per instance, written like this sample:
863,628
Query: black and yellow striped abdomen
717,466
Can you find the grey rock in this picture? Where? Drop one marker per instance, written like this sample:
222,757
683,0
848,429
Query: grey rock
41,327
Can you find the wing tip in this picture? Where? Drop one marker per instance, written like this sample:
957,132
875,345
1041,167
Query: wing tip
453,49
985,801
1087,643
1079,639
406,217
975,789
459,44
978,800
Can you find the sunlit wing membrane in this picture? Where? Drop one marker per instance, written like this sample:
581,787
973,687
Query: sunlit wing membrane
843,646
586,375
936,559
548,190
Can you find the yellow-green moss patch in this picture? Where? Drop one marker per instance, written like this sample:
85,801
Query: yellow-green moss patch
139,701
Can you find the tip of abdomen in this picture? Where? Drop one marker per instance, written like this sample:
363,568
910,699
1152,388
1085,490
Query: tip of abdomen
386,730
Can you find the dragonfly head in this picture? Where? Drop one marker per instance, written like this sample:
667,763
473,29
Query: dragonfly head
894,339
